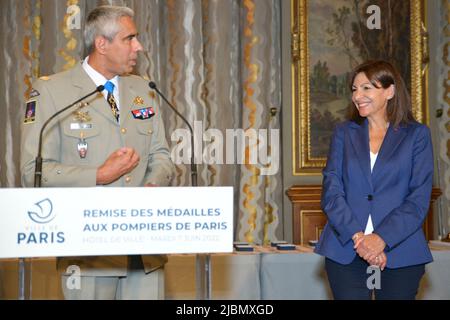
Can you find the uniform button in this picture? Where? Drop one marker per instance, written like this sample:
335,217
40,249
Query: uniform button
128,179
370,197
58,172
150,131
123,130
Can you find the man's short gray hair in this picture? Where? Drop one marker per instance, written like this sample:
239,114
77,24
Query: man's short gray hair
104,21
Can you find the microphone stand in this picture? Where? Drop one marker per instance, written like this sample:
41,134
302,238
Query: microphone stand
153,86
203,261
25,268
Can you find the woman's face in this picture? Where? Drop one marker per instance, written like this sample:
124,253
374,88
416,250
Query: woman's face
370,101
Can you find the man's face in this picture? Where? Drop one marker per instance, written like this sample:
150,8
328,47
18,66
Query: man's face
121,53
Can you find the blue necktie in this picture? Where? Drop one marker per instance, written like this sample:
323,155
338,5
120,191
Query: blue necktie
109,86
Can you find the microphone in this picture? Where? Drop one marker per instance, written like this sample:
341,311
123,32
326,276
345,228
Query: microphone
38,162
203,262
153,86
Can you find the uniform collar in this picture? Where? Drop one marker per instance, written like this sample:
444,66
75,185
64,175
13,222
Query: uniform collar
98,78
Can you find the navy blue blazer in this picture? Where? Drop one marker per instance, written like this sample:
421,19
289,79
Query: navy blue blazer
396,193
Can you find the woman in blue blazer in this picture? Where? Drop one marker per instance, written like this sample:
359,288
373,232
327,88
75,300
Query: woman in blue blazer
376,192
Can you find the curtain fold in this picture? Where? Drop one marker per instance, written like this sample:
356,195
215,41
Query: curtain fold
443,163
217,61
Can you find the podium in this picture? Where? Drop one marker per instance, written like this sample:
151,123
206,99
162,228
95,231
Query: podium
57,222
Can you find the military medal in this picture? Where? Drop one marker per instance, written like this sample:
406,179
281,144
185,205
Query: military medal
138,101
81,116
139,111
143,113
82,147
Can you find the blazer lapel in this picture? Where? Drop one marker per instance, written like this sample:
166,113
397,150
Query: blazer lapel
391,141
359,136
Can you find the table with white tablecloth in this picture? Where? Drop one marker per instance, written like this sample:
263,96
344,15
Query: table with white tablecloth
263,274
271,274
302,276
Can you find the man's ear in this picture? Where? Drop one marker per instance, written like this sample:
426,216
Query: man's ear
100,44
391,92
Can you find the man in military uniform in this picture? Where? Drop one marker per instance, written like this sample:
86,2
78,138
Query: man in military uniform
115,138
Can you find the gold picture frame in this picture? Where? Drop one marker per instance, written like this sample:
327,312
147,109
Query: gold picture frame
309,156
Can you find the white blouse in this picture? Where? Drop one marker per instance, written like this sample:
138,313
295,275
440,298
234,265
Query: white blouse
369,226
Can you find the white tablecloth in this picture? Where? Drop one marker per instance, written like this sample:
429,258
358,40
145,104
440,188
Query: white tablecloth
260,275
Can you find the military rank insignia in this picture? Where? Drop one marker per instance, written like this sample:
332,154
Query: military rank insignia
138,101
81,116
34,93
30,112
143,113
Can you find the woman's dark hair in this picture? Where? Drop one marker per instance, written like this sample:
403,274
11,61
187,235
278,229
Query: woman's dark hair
382,74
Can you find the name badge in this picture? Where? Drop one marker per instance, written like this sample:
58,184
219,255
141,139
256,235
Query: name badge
80,126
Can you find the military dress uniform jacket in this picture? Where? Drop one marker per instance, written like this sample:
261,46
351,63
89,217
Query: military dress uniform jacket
93,125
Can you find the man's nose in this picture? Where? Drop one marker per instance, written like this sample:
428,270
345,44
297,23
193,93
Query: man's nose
137,45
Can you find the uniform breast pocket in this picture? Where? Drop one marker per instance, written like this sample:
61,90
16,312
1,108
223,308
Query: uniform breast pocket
144,135
78,140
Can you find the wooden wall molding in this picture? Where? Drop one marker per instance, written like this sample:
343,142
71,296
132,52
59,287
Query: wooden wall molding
309,219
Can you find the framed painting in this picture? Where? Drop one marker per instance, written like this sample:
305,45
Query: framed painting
330,38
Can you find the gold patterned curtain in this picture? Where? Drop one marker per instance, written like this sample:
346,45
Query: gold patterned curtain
443,163
218,61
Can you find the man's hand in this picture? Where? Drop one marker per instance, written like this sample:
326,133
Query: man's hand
120,162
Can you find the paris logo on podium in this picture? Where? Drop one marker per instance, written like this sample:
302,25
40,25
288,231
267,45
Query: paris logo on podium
42,212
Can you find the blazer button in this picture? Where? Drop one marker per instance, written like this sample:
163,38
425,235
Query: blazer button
370,197
123,130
